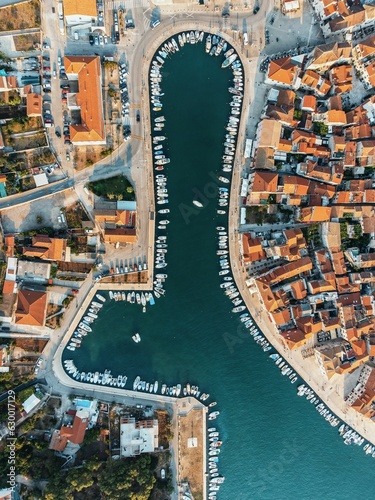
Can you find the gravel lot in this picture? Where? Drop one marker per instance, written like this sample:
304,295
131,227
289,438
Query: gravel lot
23,217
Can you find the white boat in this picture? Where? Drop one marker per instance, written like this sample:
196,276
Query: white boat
156,385
198,203
178,389
111,295
163,388
136,383
100,297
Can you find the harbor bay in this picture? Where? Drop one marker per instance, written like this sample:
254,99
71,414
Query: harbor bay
191,335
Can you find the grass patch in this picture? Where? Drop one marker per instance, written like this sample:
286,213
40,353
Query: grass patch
45,158
114,188
21,143
20,16
24,124
26,43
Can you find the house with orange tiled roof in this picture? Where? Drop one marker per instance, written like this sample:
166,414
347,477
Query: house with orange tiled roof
338,262
120,235
314,214
366,152
281,317
342,78
289,246
87,71
266,143
350,154
331,236
366,48
294,338
289,270
315,82
364,113
285,145
330,54
335,117
337,357
369,74
283,72
362,131
283,109
31,308
34,104
308,103
357,15
295,185
115,217
270,299
46,248
82,13
73,433
262,184
252,250
298,289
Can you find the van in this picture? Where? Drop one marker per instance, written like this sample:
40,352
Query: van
154,24
76,35
245,39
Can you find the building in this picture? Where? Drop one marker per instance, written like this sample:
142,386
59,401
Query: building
34,104
138,437
290,6
44,247
4,359
283,72
30,403
120,235
80,13
73,433
88,100
31,308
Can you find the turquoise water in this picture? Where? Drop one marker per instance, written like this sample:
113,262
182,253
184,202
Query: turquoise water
276,446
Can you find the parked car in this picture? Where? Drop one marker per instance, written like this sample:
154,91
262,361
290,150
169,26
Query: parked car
67,156
162,473
91,39
57,133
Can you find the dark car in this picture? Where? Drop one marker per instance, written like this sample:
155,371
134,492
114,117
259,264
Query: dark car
256,10
91,39
65,86
57,133
138,116
47,90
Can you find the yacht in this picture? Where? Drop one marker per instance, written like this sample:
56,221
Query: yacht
208,44
198,203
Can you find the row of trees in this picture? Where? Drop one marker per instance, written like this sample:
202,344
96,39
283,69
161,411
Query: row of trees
130,478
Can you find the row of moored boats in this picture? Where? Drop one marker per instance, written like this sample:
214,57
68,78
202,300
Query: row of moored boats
105,378
142,298
84,327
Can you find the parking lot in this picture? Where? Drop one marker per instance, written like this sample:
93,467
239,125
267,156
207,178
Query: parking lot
24,217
